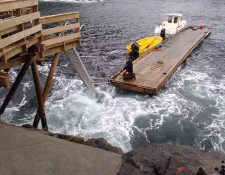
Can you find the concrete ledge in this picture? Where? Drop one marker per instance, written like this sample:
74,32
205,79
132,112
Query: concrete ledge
24,152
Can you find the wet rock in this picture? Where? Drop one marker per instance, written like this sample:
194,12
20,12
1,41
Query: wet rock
222,167
163,159
77,139
98,143
222,172
201,172
27,126
70,138
103,144
50,134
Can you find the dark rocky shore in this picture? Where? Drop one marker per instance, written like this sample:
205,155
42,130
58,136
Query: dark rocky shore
157,159
163,159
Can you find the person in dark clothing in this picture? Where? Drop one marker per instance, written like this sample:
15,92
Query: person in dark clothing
134,51
129,66
129,74
133,56
163,34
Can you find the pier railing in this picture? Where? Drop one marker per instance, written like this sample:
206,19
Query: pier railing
20,29
60,33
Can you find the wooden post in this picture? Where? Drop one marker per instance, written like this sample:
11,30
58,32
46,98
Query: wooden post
77,20
38,93
16,84
47,87
4,80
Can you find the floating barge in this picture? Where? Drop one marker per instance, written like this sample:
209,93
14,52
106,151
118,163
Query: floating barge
154,68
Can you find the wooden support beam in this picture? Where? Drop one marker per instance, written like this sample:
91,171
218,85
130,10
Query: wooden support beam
47,87
16,84
62,45
11,5
13,50
6,24
13,62
59,49
77,30
60,29
39,94
4,80
59,17
21,28
50,75
10,30
61,39
20,35
2,60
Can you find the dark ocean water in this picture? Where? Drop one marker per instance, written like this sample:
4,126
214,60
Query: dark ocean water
189,110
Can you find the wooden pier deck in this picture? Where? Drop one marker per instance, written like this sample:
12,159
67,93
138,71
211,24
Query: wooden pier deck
153,69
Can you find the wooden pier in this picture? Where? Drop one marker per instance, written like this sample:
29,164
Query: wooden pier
26,38
153,69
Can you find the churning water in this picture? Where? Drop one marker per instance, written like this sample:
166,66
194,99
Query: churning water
189,110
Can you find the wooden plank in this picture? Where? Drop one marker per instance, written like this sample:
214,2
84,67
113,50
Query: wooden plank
62,44
18,49
11,5
59,17
175,66
4,80
77,29
58,49
61,39
13,62
20,35
12,47
6,24
60,29
185,49
10,30
133,88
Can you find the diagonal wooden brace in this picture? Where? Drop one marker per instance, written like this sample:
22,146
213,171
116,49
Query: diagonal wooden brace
47,87
16,83
37,85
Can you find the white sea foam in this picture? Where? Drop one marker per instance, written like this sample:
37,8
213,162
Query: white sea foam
107,117
72,110
190,94
208,96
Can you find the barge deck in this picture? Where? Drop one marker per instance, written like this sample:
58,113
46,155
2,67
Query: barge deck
153,69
